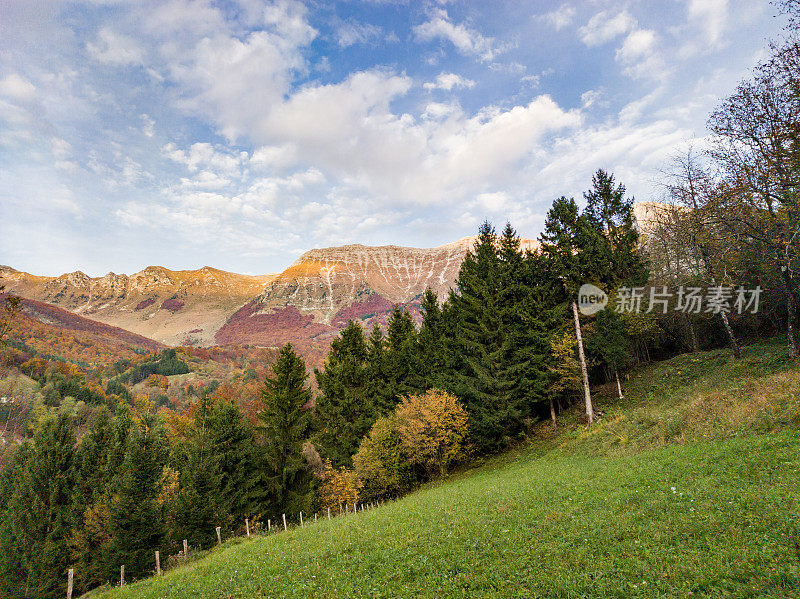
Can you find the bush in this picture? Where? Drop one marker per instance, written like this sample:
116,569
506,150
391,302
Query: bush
381,464
340,486
432,427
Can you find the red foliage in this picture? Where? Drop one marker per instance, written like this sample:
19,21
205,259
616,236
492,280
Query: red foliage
367,310
172,304
144,303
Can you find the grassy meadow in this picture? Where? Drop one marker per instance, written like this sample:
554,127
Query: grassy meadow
689,487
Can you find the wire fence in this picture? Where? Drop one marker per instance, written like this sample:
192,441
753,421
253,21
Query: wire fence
188,554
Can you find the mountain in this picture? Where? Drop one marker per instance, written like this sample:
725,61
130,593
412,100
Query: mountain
53,331
316,296
171,307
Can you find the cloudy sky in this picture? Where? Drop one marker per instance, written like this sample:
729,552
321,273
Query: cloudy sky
239,134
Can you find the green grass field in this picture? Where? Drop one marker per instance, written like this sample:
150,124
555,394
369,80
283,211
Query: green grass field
689,487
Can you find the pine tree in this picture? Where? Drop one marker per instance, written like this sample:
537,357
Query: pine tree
37,522
284,426
231,441
136,519
344,411
430,355
481,377
570,245
399,360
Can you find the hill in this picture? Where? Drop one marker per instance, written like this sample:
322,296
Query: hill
51,331
173,307
687,488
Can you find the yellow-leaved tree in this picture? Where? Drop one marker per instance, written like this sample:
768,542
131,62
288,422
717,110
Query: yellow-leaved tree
433,427
340,486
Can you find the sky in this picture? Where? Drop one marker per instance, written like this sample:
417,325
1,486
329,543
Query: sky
240,134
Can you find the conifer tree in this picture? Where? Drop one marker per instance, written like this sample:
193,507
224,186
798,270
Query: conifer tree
284,426
344,411
570,245
136,519
431,357
37,522
481,377
399,360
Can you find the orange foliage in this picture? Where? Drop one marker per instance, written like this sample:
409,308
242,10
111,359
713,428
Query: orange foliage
433,427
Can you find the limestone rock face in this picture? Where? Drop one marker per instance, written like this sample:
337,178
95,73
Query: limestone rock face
172,307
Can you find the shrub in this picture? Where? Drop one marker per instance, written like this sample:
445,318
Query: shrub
381,463
340,486
432,427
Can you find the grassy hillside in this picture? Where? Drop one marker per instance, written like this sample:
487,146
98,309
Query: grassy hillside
689,487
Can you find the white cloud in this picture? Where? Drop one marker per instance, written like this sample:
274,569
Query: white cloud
603,27
639,43
590,98
711,16
352,33
449,81
559,18
112,47
466,40
17,87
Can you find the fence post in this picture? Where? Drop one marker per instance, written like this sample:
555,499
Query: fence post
269,525
355,508
219,536
122,575
158,564
70,575
185,550
329,512
247,525
284,523
301,519
315,518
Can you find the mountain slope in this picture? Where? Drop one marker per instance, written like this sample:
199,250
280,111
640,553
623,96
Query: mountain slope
172,307
578,513
53,331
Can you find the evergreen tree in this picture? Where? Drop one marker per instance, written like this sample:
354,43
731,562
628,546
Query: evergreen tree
570,245
344,411
481,377
197,509
285,424
37,522
136,519
399,359
610,344
430,356
231,441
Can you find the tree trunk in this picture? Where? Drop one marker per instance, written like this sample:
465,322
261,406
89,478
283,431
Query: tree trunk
619,387
693,336
552,411
586,393
731,338
790,311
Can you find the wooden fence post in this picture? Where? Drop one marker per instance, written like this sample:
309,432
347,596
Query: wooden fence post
269,525
315,518
301,519
284,523
329,512
70,575
247,525
219,536
158,564
122,575
185,550
355,508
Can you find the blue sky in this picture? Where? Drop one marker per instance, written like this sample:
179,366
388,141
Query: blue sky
239,134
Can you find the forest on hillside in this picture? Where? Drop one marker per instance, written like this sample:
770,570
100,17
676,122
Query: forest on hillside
104,461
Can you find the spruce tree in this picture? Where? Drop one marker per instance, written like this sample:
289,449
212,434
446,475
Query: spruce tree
136,522
399,360
481,378
285,425
344,410
38,520
430,355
